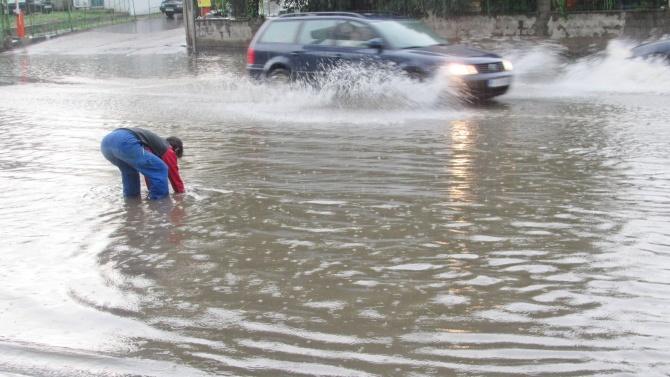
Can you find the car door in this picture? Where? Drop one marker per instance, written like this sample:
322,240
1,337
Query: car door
316,54
352,43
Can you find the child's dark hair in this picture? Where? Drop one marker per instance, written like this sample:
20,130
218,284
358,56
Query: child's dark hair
177,145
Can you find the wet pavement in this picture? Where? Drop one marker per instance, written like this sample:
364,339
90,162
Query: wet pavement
375,232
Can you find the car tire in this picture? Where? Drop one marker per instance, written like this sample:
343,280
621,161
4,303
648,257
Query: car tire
169,14
279,76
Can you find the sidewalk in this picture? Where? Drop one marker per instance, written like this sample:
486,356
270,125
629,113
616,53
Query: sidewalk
56,24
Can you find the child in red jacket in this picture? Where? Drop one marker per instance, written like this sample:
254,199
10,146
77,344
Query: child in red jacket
135,150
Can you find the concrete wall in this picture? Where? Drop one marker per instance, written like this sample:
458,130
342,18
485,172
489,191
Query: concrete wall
639,25
612,24
483,27
604,25
580,32
217,34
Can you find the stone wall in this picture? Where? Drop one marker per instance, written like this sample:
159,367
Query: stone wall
642,25
633,24
218,33
604,25
483,27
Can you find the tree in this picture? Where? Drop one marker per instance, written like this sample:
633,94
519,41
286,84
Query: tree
253,7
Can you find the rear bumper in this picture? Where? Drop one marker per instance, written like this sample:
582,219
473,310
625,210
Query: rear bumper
171,9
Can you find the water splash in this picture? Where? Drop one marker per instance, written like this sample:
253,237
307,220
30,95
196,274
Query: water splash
546,72
357,86
535,63
346,94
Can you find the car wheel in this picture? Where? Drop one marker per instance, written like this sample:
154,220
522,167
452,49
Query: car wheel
169,14
279,76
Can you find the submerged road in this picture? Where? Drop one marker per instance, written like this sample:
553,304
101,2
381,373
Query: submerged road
371,232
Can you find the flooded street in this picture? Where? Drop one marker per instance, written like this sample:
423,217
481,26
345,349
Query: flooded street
375,231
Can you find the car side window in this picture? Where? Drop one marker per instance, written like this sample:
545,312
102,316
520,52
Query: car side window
317,33
353,34
280,32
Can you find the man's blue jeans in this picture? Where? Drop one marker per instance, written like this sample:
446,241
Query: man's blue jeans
123,149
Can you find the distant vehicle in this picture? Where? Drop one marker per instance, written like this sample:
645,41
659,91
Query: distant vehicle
171,7
659,49
301,45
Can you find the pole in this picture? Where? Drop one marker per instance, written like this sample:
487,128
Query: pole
4,19
543,18
20,25
189,20
69,15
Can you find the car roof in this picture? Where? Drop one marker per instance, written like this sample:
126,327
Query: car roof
357,14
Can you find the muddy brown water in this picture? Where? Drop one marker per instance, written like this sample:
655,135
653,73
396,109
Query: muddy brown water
370,232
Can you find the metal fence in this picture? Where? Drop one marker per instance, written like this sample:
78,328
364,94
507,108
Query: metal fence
56,20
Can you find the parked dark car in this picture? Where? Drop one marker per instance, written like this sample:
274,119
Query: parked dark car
301,45
171,7
658,49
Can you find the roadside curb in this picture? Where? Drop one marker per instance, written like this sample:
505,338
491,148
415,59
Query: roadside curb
12,43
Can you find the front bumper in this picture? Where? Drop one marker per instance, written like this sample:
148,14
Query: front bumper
486,86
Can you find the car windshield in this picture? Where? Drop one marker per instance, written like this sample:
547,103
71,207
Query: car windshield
408,34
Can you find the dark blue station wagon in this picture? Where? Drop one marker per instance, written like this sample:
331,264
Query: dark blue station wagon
301,45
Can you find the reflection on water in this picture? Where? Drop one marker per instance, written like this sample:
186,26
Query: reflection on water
331,236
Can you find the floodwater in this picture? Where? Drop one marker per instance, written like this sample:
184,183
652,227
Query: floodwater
365,231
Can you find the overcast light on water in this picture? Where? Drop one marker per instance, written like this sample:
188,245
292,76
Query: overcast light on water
371,227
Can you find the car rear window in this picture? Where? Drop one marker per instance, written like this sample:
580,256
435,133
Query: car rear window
280,32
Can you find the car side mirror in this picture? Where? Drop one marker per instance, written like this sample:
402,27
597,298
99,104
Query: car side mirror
376,43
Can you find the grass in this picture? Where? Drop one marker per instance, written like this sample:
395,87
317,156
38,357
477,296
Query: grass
56,17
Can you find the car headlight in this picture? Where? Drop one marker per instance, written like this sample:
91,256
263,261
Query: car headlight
458,69
507,65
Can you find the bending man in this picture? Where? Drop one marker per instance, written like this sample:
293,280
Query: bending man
135,150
